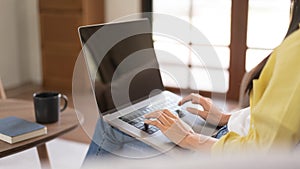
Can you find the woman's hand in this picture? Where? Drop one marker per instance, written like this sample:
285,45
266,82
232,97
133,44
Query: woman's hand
210,112
170,125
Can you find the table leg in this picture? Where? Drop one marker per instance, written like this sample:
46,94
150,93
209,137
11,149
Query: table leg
43,155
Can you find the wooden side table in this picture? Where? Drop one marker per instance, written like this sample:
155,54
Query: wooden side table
24,109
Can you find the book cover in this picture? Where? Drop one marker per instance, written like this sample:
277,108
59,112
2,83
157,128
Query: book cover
14,129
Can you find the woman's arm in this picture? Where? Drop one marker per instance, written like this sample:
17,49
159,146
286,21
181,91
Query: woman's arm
275,117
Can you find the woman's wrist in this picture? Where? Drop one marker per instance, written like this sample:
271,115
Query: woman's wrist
188,141
197,142
226,118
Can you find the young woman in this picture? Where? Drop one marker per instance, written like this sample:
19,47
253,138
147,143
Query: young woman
271,122
274,105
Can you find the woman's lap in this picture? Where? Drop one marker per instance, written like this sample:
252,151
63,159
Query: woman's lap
109,142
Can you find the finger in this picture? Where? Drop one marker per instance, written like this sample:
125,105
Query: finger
202,101
202,114
154,114
165,120
205,102
185,99
169,114
195,99
155,123
169,119
192,110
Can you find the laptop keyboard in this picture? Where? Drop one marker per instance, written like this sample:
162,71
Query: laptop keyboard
136,118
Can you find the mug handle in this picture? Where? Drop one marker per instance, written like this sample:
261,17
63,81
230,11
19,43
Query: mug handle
66,102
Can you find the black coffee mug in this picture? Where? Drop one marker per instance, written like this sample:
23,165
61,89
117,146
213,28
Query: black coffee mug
47,106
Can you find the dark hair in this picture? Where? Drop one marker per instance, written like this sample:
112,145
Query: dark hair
294,25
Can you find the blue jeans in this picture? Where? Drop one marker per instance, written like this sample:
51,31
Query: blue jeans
222,131
109,142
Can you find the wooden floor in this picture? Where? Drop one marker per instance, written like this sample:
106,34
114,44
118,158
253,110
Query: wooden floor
26,91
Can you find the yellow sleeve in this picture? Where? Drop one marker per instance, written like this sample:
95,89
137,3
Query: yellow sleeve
275,104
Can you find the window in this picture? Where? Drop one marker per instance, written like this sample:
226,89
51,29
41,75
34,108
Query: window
266,18
242,32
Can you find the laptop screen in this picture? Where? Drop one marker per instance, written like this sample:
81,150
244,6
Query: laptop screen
129,70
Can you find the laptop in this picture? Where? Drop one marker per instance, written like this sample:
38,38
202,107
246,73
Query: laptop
121,58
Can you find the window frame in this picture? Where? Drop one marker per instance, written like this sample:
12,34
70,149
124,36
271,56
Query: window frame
237,46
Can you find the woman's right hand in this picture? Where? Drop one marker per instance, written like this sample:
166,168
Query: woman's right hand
210,112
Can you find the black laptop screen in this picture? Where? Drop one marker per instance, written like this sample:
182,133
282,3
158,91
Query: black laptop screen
129,71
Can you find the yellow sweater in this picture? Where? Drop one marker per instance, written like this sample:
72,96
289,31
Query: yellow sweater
274,103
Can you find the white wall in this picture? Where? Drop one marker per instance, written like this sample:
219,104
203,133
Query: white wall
19,42
120,8
20,53
29,40
9,54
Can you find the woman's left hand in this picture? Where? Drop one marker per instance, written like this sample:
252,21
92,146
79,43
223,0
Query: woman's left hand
170,124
